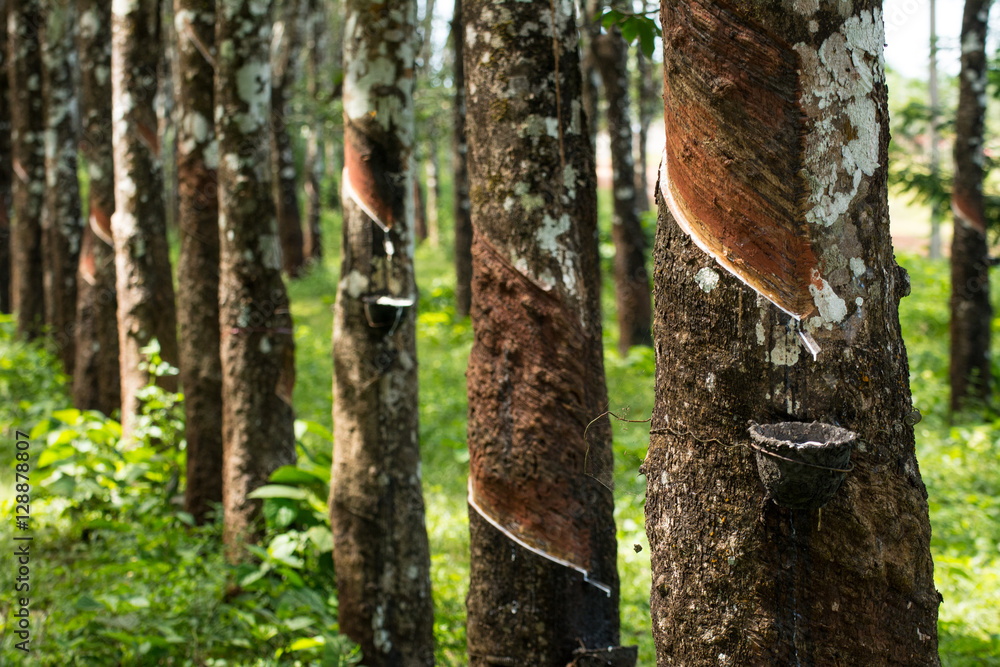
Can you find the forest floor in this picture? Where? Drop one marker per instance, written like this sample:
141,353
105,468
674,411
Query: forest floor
119,577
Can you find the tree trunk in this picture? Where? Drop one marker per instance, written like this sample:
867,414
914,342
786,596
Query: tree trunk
433,187
285,52
460,180
798,146
5,166
258,350
312,239
62,223
380,549
96,378
645,99
933,137
543,580
24,63
589,32
146,307
198,265
632,294
971,313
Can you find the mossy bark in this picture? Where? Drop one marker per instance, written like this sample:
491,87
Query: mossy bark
62,222
381,551
146,308
738,580
543,579
27,113
971,312
96,377
258,348
198,265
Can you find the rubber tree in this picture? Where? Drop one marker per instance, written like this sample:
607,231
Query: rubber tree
543,584
62,221
96,379
258,350
460,174
5,166
317,45
146,307
198,264
971,313
380,548
285,48
776,300
632,293
27,115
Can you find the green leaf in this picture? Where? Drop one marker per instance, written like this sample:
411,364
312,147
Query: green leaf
321,537
278,491
67,416
87,603
307,642
293,475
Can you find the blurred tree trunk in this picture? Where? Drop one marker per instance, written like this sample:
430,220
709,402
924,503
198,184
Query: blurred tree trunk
591,82
540,515
146,307
632,294
460,180
316,32
62,222
258,350
96,378
285,48
971,313
433,186
198,265
933,137
380,549
5,166
738,580
166,112
27,114
645,100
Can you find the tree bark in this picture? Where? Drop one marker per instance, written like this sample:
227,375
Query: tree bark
62,223
285,52
24,63
312,235
645,100
258,350
96,378
198,265
543,578
632,294
971,313
146,307
738,580
380,550
5,166
460,179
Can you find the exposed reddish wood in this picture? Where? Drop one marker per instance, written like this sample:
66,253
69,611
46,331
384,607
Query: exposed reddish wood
742,202
364,178
530,496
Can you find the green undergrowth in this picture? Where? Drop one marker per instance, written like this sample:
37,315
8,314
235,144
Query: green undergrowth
120,576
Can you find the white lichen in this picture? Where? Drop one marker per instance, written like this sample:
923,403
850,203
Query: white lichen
831,307
707,278
842,145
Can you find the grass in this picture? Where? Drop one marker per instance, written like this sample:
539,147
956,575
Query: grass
119,580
